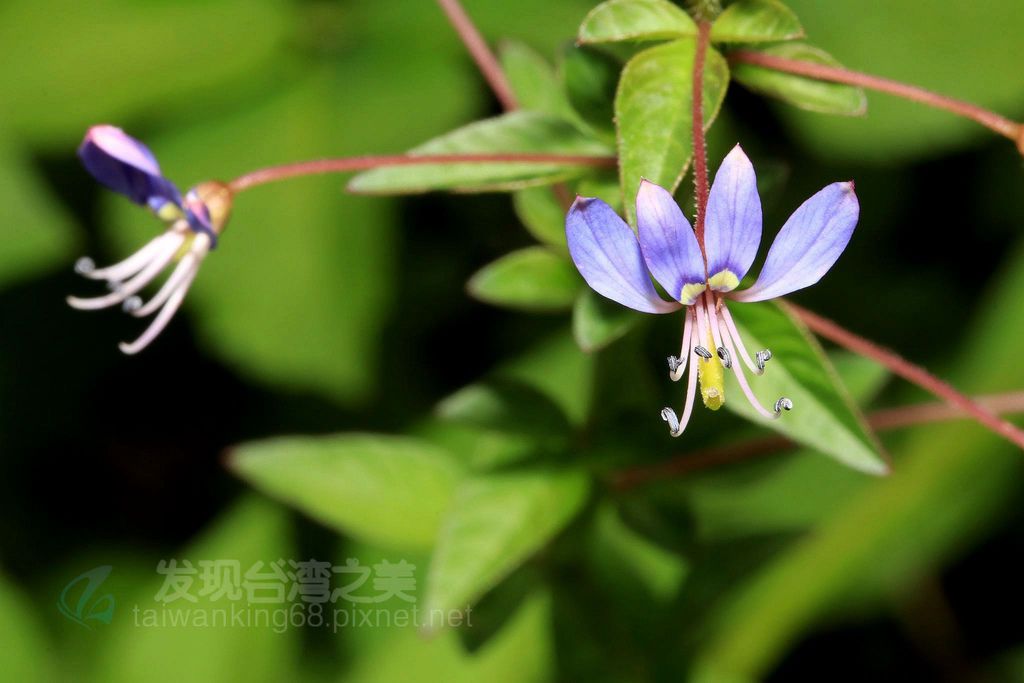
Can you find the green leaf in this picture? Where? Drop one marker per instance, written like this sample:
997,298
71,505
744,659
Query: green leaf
533,80
653,109
590,78
26,654
254,530
112,60
823,416
558,369
597,322
617,20
531,279
539,210
863,377
806,93
496,523
756,21
35,232
519,132
390,491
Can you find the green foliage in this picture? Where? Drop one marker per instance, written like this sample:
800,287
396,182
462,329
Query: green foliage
543,216
35,232
533,80
653,113
496,522
805,93
617,20
531,279
756,21
518,132
24,654
597,322
823,417
254,530
391,491
590,78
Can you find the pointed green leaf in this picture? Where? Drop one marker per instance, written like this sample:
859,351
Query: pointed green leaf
542,214
558,369
653,109
390,491
597,322
800,91
531,279
590,78
617,20
495,524
823,416
756,21
520,132
533,80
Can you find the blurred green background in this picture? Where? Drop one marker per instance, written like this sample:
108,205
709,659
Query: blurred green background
323,312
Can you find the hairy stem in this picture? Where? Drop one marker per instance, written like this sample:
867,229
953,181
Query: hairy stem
362,163
700,156
482,55
908,371
890,418
994,122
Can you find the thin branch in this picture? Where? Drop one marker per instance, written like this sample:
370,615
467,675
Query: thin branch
994,122
482,55
362,163
908,371
700,156
882,420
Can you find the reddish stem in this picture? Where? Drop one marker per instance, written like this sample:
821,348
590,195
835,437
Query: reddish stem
908,371
891,418
482,55
362,163
700,157
994,122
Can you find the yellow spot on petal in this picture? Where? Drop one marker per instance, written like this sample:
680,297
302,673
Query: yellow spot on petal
724,281
169,213
711,374
691,292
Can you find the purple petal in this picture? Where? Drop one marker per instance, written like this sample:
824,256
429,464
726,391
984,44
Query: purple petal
668,244
608,257
733,230
125,165
808,244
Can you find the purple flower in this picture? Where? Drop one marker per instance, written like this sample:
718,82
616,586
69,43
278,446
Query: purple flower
619,265
193,224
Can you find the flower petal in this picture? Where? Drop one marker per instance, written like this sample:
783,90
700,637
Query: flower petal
125,165
608,257
668,244
808,244
733,226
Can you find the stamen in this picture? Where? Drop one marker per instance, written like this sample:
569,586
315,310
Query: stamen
676,365
702,352
761,357
85,265
131,304
709,307
131,265
782,404
122,292
162,318
675,425
186,268
723,353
